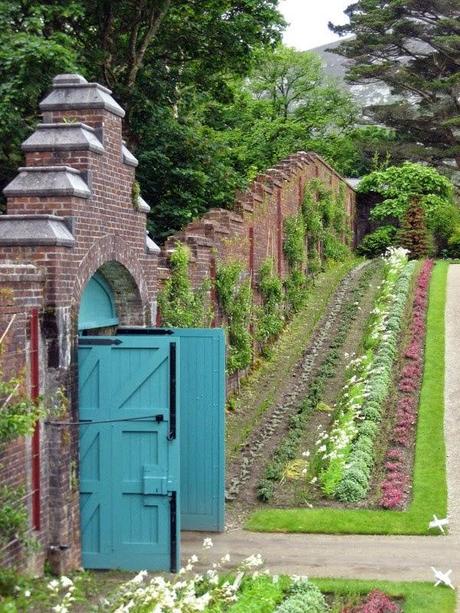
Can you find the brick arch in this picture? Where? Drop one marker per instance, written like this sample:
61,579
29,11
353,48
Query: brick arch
113,258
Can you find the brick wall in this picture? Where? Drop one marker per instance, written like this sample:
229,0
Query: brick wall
253,230
60,227
71,213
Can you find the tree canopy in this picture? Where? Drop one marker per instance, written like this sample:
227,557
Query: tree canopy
414,47
212,98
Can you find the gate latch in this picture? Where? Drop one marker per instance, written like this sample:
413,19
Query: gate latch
154,483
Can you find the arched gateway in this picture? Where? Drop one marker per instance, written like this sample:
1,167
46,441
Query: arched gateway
82,275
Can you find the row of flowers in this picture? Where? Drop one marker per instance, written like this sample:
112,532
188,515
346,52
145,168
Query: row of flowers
396,482
216,589
345,456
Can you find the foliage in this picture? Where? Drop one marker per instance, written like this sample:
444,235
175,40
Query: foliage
181,306
413,235
294,241
14,518
398,185
294,247
378,241
303,596
416,597
259,594
413,48
429,489
18,416
270,316
22,592
32,52
235,297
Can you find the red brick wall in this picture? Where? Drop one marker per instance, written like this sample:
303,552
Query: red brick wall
253,231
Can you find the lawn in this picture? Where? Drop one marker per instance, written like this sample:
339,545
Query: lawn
418,597
429,481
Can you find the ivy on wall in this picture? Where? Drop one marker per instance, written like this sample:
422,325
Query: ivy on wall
311,238
180,305
234,292
18,416
270,316
294,247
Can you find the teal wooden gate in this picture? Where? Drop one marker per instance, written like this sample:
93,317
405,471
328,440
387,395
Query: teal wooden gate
129,452
151,444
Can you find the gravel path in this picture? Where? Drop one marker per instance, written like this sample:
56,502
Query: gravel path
370,557
452,396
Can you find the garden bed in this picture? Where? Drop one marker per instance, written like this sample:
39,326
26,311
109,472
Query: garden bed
429,480
221,589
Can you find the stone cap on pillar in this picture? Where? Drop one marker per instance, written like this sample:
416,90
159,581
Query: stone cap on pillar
128,157
33,230
63,137
47,181
142,205
73,92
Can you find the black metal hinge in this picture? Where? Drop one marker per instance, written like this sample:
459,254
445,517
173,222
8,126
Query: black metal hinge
146,331
82,341
172,392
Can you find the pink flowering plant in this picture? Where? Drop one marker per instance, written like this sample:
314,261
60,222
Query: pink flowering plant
395,486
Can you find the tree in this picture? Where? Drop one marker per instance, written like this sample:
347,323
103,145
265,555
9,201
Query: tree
413,47
165,61
414,233
399,186
32,52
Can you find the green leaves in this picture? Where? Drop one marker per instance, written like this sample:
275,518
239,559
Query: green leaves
180,305
234,292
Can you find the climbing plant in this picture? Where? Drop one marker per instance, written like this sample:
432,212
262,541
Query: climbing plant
233,288
295,252
270,315
18,416
180,305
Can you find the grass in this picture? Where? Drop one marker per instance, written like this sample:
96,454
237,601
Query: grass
429,479
418,597
259,390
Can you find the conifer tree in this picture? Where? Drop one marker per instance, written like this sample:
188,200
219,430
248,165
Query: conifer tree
414,235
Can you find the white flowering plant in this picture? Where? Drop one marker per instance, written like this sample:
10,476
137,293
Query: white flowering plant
189,591
344,456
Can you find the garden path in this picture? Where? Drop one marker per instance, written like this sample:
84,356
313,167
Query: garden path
369,557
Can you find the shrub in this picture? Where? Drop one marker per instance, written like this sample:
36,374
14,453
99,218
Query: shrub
180,305
413,235
235,297
303,597
377,242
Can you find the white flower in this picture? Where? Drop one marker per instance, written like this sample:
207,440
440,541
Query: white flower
66,582
194,559
207,543
226,558
305,454
314,480
53,585
27,593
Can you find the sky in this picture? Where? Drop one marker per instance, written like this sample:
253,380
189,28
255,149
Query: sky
308,21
